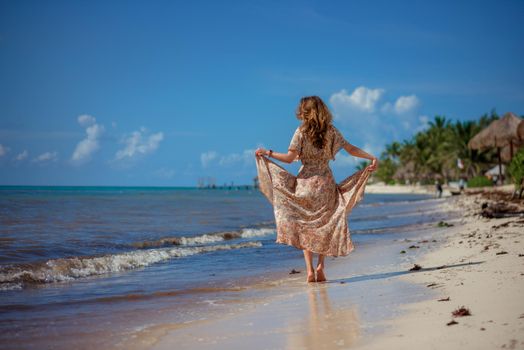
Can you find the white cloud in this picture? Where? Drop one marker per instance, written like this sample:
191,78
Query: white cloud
373,149
246,157
406,104
86,120
229,159
361,98
344,160
207,157
402,106
165,173
424,123
85,148
424,119
368,118
3,150
22,155
138,144
46,157
364,102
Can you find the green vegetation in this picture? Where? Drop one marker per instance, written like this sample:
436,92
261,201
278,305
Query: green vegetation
386,170
362,164
479,181
516,168
433,153
444,224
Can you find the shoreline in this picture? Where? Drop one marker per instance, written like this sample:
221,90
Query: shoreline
389,306
487,279
381,188
372,299
363,289
122,308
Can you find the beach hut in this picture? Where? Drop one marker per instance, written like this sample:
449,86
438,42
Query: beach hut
507,152
494,171
500,133
405,172
520,131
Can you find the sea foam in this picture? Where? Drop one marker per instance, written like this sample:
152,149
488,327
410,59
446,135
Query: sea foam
207,238
66,269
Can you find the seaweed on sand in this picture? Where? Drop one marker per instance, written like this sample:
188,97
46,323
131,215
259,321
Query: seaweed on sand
461,311
415,267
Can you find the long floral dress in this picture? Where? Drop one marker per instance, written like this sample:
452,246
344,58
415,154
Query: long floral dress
311,209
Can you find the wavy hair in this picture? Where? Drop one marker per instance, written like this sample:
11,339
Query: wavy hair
316,119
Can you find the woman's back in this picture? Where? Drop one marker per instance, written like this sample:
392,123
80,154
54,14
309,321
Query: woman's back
310,154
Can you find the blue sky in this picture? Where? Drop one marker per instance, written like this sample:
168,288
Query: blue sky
166,92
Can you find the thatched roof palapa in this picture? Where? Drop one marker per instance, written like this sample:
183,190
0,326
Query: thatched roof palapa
406,171
506,151
499,133
520,131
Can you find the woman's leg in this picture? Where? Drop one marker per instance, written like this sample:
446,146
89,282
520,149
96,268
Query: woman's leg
308,257
320,269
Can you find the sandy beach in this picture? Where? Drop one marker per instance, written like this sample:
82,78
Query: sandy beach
467,261
395,189
382,188
483,271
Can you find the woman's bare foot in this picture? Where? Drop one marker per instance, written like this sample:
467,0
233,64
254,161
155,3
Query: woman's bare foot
320,275
310,277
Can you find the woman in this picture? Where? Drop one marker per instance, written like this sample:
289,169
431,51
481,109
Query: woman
311,209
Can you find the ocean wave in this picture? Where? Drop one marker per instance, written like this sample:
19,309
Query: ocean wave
67,269
256,232
10,286
206,238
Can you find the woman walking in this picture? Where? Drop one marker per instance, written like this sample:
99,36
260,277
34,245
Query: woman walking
311,209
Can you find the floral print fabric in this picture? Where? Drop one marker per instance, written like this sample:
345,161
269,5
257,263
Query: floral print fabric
311,209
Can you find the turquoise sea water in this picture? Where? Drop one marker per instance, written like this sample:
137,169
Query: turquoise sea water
99,251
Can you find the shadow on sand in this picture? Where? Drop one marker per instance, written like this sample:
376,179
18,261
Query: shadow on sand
377,276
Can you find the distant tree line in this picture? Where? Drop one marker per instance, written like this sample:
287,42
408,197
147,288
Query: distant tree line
436,153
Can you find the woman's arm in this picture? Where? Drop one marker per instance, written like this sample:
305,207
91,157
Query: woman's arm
357,152
288,157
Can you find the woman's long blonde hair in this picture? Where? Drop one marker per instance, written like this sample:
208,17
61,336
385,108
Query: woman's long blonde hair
316,119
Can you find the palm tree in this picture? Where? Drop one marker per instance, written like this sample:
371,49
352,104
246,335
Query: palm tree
392,150
434,151
473,160
362,164
439,146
